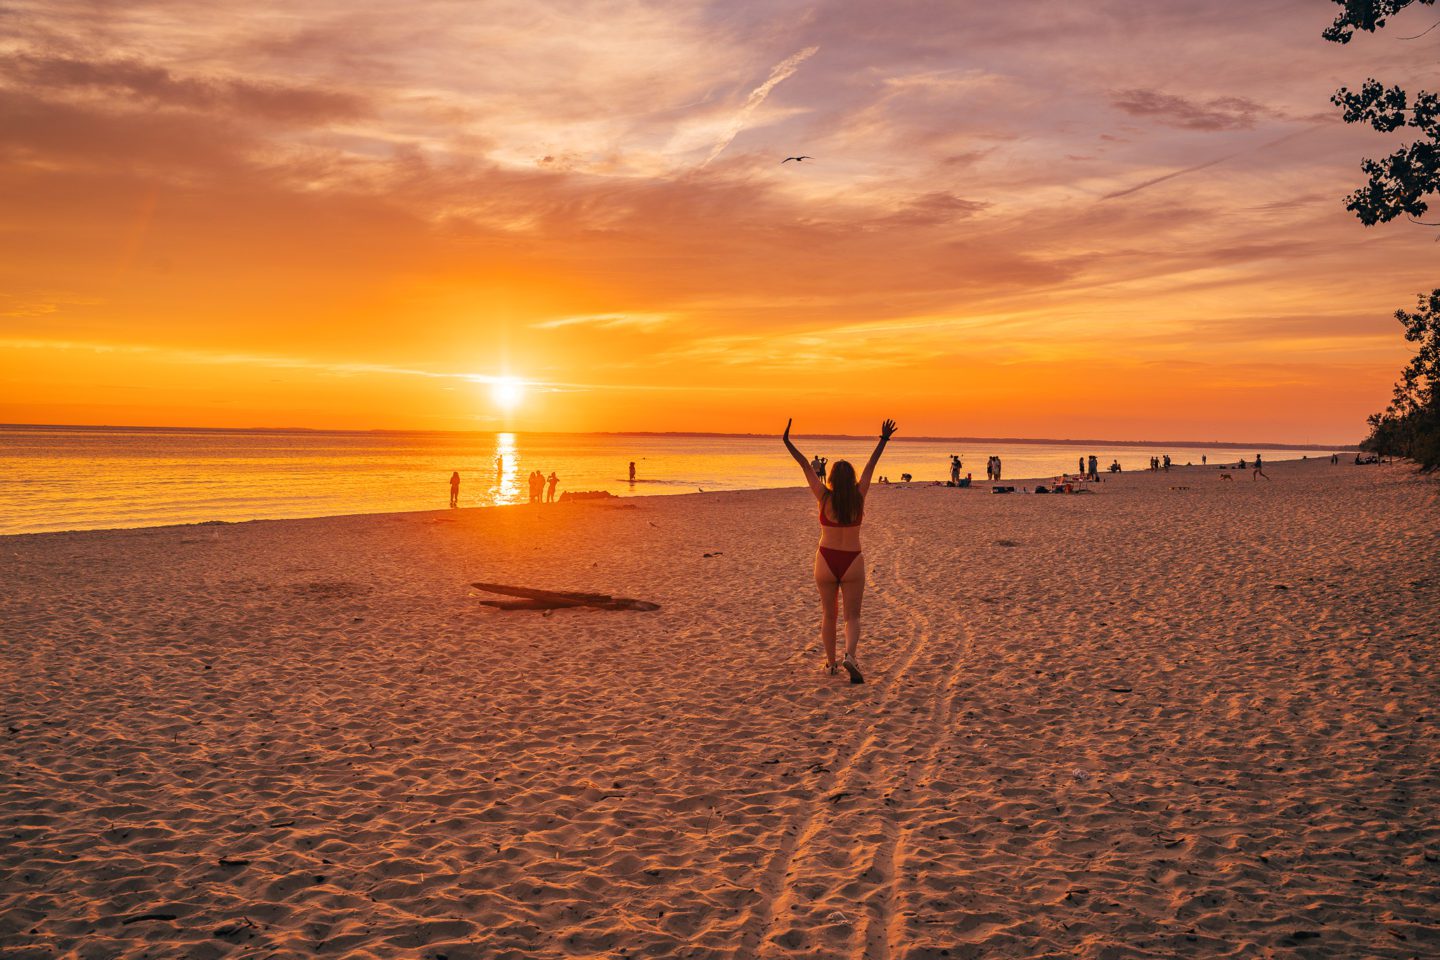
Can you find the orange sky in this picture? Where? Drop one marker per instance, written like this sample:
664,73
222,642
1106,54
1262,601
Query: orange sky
1042,219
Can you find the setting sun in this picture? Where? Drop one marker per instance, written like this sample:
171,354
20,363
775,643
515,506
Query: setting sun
507,392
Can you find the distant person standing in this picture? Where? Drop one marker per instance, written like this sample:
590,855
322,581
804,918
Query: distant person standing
1259,469
1094,467
632,471
1202,459
818,465
1081,469
997,468
499,464
1166,461
455,489
954,470
554,481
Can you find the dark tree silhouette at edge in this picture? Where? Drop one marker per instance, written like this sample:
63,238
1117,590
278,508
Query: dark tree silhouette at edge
1399,184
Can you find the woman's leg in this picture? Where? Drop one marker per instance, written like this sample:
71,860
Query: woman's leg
852,590
829,589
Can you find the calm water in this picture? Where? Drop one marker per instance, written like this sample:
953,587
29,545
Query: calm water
76,478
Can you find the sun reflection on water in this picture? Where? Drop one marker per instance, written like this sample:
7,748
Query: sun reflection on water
506,469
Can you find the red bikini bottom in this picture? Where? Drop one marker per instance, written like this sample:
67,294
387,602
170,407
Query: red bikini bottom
838,560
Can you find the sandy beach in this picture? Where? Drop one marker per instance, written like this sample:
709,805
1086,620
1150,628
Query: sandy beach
1176,717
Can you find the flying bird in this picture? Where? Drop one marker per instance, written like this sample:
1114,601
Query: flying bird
796,159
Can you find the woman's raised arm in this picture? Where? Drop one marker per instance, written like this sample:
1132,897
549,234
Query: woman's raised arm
887,429
816,487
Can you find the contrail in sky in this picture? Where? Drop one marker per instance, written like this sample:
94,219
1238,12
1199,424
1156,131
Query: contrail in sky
1169,176
1201,166
757,96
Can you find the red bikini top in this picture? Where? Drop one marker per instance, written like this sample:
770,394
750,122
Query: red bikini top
827,523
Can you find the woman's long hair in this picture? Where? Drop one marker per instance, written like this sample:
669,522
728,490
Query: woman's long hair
845,499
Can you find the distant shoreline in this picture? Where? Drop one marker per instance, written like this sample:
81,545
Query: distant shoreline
1038,441
1177,473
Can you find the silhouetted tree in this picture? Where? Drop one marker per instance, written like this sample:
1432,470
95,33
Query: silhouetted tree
1399,184
1368,15
1410,425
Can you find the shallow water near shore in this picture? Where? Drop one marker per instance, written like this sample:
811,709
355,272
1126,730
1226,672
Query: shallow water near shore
79,478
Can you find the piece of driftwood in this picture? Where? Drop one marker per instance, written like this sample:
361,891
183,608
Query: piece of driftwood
530,599
570,495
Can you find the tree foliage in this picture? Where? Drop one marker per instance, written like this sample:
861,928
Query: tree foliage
1367,15
1398,184
1410,425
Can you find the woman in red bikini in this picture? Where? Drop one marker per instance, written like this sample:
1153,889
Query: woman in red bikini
839,567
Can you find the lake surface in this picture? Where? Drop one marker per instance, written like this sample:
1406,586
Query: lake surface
78,478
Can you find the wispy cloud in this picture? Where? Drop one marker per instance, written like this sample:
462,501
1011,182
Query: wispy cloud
783,70
1217,113
337,368
606,321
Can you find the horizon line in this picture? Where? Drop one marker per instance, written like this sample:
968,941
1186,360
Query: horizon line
1268,445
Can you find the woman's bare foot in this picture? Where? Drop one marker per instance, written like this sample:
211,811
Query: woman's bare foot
852,668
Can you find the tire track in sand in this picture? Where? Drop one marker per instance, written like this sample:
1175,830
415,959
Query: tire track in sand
882,937
844,849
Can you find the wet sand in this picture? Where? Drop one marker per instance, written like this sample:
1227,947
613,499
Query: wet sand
1144,722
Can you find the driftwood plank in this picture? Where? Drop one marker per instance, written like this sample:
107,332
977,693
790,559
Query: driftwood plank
532,599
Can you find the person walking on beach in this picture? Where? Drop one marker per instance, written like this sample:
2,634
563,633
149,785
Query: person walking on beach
554,481
1259,469
455,489
839,565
